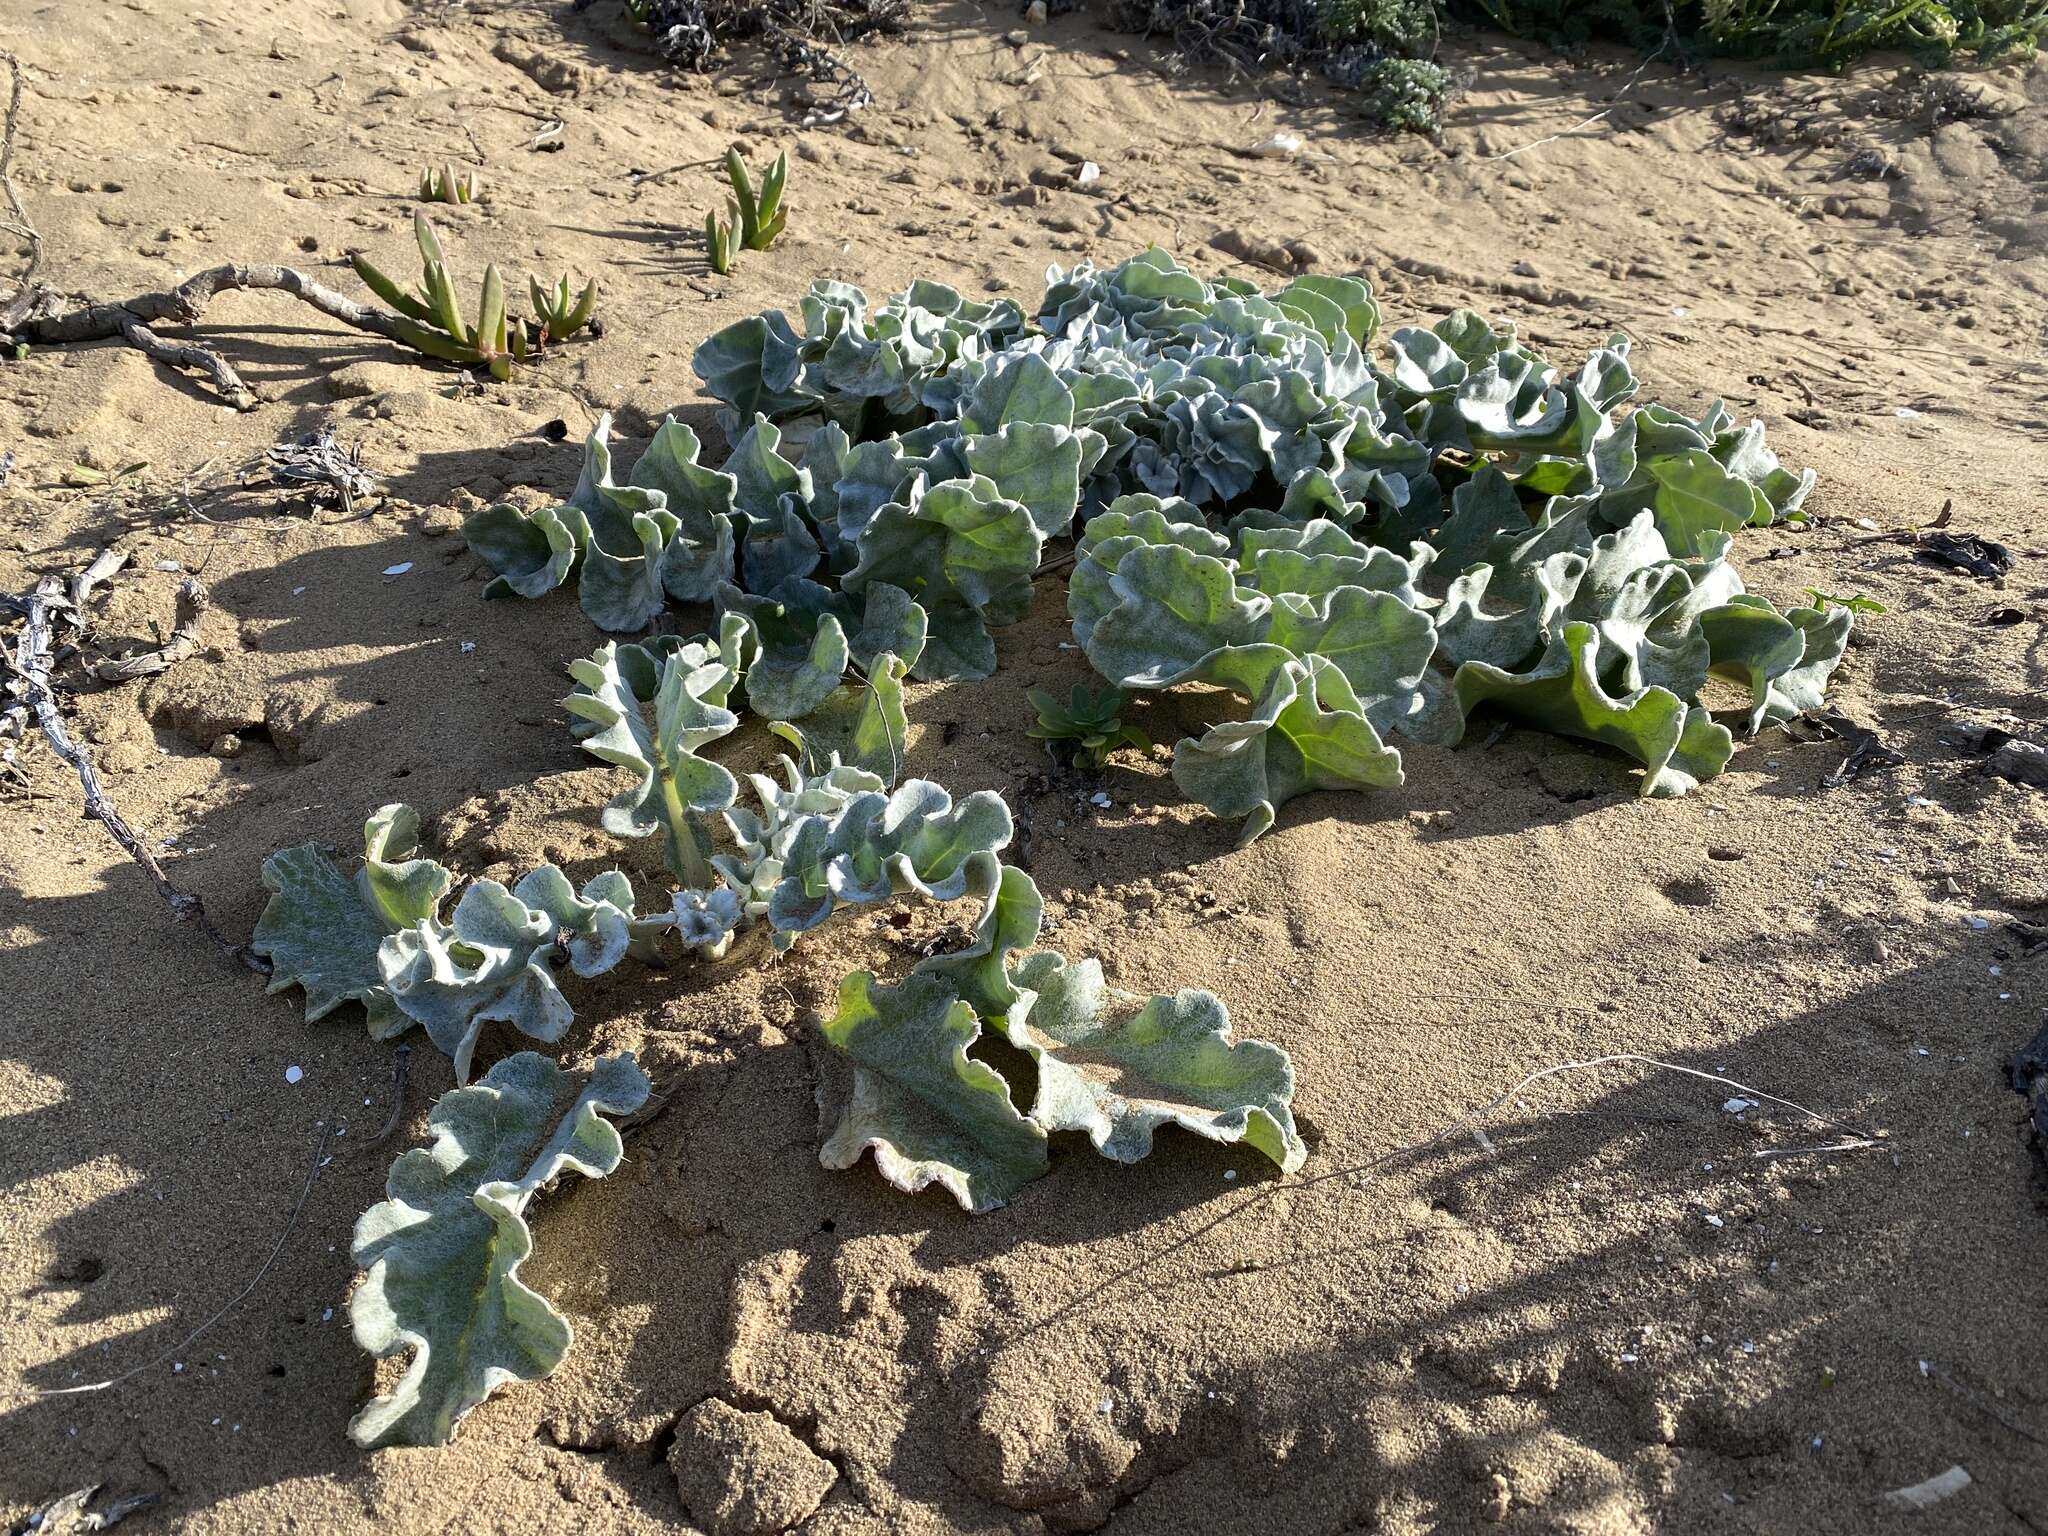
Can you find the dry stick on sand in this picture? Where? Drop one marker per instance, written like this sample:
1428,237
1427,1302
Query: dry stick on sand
192,605
34,653
37,316
131,319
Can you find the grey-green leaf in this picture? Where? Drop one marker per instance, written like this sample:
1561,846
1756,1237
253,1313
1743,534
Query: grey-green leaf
1118,1066
931,1113
443,1251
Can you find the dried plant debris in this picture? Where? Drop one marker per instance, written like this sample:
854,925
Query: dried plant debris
317,460
1970,553
2008,754
73,1514
803,38
1868,752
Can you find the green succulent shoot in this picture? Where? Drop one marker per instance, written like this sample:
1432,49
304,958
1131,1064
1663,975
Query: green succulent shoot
446,185
718,243
757,218
560,311
429,318
1090,720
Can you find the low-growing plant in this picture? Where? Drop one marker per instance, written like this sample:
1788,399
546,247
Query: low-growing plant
757,217
445,184
1090,723
430,318
1362,539
718,244
1860,603
560,312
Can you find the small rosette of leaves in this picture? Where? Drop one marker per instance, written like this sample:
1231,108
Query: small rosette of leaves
935,1110
1089,723
442,1253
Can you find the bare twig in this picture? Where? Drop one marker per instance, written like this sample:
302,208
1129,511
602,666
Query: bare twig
32,662
192,605
131,319
1979,1402
401,1077
291,1221
17,221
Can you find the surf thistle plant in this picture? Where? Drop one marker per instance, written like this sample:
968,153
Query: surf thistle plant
447,185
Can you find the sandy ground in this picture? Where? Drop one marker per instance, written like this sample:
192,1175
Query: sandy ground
1614,1318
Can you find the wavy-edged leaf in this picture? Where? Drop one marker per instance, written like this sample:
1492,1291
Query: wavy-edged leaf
1118,1066
1677,743
702,552
914,841
676,788
1306,730
491,961
531,553
443,1251
864,722
321,933
931,1113
321,930
957,548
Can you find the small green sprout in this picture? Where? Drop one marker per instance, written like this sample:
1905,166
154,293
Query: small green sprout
1857,604
560,311
718,243
446,185
1089,720
430,319
757,219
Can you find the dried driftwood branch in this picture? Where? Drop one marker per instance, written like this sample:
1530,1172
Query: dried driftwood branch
45,324
33,659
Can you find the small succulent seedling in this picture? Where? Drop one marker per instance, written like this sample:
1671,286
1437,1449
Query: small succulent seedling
430,319
1860,603
447,185
1089,720
757,219
560,312
718,243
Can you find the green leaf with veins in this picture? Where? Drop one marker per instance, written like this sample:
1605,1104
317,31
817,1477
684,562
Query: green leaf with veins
1118,1067
931,1113
444,1249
